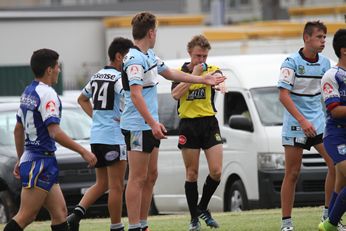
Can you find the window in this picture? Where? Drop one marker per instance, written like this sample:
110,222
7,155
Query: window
168,114
7,123
235,104
269,108
74,122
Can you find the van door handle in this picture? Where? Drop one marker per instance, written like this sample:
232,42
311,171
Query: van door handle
224,140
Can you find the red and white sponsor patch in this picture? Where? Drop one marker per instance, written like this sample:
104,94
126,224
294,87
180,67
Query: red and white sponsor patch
327,88
133,70
50,106
182,139
286,72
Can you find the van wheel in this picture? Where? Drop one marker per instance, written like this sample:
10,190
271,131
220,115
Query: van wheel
236,199
7,207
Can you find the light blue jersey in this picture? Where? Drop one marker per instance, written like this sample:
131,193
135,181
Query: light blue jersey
303,79
105,89
140,69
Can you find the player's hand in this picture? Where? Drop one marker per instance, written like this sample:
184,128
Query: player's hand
198,69
159,131
213,79
221,86
308,128
90,158
16,170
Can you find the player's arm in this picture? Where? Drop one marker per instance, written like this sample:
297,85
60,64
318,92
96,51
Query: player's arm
287,102
178,90
331,96
19,138
85,103
338,112
286,82
63,139
158,129
179,76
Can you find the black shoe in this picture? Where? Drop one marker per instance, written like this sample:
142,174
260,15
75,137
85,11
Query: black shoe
195,225
73,222
206,216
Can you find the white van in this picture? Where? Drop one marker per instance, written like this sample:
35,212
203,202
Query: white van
250,118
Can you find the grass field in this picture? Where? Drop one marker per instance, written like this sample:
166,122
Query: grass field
305,219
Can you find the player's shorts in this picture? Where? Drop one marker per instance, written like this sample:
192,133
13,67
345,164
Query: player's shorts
42,173
302,142
203,132
336,147
108,154
142,141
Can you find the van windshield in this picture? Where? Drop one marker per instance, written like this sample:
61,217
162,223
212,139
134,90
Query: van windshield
269,108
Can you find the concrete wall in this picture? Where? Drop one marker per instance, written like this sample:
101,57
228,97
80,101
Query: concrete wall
171,41
80,43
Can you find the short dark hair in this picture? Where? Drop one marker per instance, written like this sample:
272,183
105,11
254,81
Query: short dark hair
42,59
339,41
198,40
309,27
119,45
142,23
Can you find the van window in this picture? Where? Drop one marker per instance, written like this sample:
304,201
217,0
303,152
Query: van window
168,114
269,108
235,104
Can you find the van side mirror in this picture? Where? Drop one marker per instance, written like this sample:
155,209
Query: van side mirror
240,122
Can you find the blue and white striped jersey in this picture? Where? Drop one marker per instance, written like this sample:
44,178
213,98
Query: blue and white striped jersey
334,91
40,106
303,79
140,69
105,89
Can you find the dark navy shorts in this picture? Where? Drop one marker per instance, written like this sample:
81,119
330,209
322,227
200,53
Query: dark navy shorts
196,133
142,141
108,154
302,142
336,147
42,173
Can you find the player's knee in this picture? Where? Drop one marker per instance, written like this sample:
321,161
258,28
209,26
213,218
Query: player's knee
117,186
101,184
293,175
58,214
215,174
191,176
152,177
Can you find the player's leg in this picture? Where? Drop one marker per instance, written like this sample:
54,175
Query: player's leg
191,162
334,146
293,160
330,179
214,159
138,170
116,174
56,206
33,193
90,196
96,190
339,206
31,201
147,192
